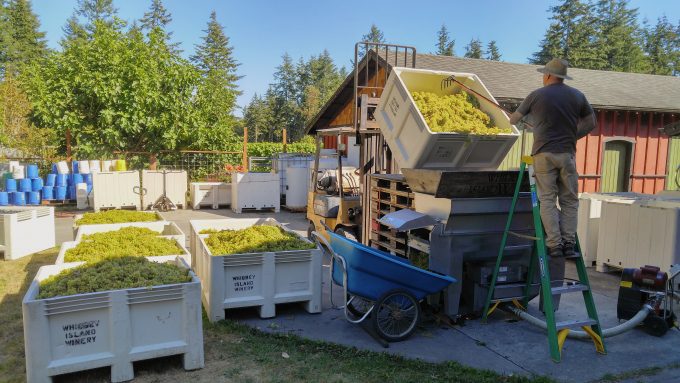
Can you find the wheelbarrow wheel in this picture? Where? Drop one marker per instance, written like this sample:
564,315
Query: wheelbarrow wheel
396,315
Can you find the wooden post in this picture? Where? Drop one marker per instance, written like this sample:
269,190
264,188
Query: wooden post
285,141
244,161
68,145
153,162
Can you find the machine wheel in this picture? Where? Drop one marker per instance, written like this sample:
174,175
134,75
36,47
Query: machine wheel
358,307
655,325
310,229
670,319
347,233
396,315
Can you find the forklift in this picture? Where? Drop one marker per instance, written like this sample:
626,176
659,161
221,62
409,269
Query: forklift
333,200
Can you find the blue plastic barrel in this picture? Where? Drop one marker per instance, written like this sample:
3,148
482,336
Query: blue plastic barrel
11,185
37,184
48,193
78,179
50,179
32,171
71,193
61,180
25,185
18,198
74,165
54,169
33,198
4,199
69,179
87,178
60,193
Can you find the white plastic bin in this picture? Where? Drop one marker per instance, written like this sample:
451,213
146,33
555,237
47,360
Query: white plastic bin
26,230
260,280
116,190
638,234
184,254
412,142
111,328
255,191
150,224
213,194
296,188
175,187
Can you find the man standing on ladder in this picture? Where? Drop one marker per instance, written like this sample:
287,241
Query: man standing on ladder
560,115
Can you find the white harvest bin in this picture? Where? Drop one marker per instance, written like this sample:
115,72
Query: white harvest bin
211,194
65,246
260,280
412,142
111,328
175,187
255,191
164,228
149,224
116,190
638,234
26,230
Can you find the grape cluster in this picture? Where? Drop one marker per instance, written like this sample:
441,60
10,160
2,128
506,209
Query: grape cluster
455,113
128,241
116,216
255,239
112,274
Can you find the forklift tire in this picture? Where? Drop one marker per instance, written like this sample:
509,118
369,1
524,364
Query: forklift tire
655,325
347,233
311,228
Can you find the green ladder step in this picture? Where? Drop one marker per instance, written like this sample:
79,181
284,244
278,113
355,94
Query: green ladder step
569,289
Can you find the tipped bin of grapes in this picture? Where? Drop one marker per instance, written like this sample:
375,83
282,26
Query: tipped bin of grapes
381,291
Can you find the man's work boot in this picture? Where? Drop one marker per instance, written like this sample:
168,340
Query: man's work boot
569,249
555,252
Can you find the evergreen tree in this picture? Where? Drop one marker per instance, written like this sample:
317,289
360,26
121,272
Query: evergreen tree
283,99
445,45
374,35
570,36
25,42
4,36
662,47
256,117
218,90
73,30
619,37
157,16
96,10
492,52
474,49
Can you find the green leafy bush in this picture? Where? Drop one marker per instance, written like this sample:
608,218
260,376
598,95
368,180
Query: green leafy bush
457,113
112,274
128,241
116,216
255,239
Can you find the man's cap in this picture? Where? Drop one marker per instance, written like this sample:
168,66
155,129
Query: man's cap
556,67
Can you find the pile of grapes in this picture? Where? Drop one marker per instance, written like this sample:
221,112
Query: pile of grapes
455,113
128,241
116,216
112,274
255,239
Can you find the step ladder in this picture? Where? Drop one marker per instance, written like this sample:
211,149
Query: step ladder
557,331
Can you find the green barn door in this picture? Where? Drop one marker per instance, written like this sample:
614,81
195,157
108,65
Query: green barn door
615,167
673,164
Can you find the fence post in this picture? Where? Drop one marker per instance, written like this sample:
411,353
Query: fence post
285,140
244,160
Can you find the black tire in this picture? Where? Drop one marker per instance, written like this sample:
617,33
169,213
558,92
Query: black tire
310,229
396,315
358,306
655,325
347,233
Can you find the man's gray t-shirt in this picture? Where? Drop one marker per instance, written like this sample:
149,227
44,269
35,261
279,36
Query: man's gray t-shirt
554,111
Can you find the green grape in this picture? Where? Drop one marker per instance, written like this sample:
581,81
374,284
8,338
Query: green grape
255,239
455,113
116,216
112,274
128,241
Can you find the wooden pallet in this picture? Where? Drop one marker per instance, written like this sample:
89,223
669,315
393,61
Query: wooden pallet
255,210
389,193
58,202
211,206
294,209
602,267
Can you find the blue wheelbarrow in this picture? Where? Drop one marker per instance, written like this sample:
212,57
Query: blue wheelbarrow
379,287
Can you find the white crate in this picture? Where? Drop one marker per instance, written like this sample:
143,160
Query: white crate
255,191
589,211
65,246
150,225
412,142
26,230
211,194
260,280
637,234
111,328
116,190
175,187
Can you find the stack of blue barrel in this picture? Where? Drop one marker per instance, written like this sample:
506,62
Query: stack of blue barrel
63,186
22,190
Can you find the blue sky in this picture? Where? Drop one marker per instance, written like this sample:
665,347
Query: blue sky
261,31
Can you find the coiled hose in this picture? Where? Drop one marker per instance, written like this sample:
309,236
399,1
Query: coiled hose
620,329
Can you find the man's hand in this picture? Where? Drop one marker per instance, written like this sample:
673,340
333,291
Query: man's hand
585,126
515,117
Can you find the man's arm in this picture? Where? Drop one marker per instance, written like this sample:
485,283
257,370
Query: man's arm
515,117
585,126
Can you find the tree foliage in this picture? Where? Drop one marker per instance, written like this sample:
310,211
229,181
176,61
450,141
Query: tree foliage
374,35
492,51
445,44
619,36
22,41
474,49
115,91
157,16
662,47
